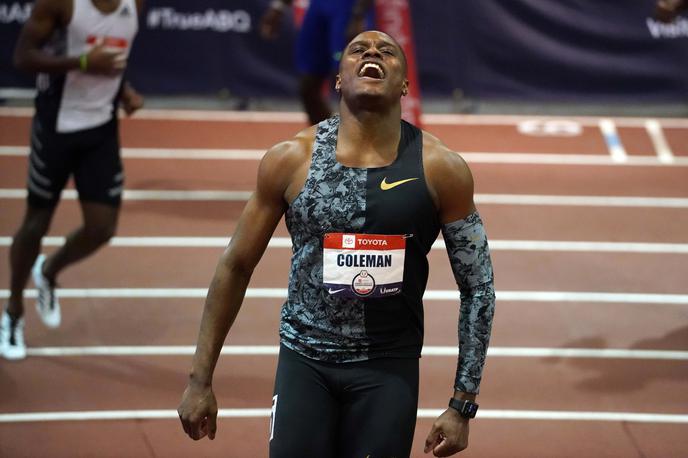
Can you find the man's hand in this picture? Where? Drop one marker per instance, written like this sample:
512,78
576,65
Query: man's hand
449,434
198,412
667,10
104,61
131,100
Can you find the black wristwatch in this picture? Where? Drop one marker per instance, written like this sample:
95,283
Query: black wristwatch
466,408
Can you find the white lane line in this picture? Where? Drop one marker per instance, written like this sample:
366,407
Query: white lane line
120,415
427,119
485,199
471,157
595,247
513,120
17,93
430,295
570,296
495,245
493,414
164,153
171,153
567,415
166,195
192,115
271,350
659,141
566,159
613,141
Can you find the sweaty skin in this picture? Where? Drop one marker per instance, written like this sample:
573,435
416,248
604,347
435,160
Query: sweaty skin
369,131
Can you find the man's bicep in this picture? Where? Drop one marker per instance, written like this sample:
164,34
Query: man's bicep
254,230
262,212
44,19
451,184
457,198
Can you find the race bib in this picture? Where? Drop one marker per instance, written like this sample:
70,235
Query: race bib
363,265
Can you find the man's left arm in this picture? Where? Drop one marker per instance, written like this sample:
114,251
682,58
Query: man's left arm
451,185
469,256
130,99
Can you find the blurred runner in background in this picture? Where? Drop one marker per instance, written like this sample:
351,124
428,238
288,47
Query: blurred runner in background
79,50
327,27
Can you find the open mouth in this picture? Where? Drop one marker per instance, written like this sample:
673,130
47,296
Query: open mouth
371,70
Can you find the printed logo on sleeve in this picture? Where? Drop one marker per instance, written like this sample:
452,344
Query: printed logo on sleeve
363,265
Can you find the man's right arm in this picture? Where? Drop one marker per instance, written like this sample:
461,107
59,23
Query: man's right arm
46,17
668,10
257,223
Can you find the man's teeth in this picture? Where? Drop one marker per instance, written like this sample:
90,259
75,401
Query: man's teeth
376,67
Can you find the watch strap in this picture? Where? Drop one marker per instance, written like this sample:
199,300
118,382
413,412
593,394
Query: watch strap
466,408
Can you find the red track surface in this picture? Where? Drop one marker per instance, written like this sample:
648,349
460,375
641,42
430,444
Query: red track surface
105,383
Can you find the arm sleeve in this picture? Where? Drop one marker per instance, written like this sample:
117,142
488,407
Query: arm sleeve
469,256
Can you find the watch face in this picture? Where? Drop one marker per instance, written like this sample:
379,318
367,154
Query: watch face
469,409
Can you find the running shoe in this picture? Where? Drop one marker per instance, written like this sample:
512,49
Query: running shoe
12,344
47,305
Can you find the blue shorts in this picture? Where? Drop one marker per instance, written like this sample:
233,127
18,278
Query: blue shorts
322,36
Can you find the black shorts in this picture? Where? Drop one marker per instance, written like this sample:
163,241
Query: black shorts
92,156
360,409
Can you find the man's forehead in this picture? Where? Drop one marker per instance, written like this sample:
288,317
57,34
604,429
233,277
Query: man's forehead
374,35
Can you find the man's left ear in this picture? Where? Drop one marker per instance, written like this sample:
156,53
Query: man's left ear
404,88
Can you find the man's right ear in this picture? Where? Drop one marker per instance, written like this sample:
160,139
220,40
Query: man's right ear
337,83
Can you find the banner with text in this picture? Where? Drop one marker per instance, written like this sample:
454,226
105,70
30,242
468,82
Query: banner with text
578,50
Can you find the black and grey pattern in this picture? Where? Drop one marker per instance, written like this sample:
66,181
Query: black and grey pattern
314,323
469,255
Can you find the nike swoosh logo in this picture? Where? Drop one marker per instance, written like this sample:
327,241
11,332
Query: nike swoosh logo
335,291
387,186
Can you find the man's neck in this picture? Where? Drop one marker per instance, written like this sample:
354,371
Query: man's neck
106,6
368,138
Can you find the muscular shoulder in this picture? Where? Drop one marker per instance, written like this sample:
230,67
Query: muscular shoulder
58,11
449,179
284,164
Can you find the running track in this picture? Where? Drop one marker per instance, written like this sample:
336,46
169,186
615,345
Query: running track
589,354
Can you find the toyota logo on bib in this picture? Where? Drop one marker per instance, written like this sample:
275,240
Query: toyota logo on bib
349,241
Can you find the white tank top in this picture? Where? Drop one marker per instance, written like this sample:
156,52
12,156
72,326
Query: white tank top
87,100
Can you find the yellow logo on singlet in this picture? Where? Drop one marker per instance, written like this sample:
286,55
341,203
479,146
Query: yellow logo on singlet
387,186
